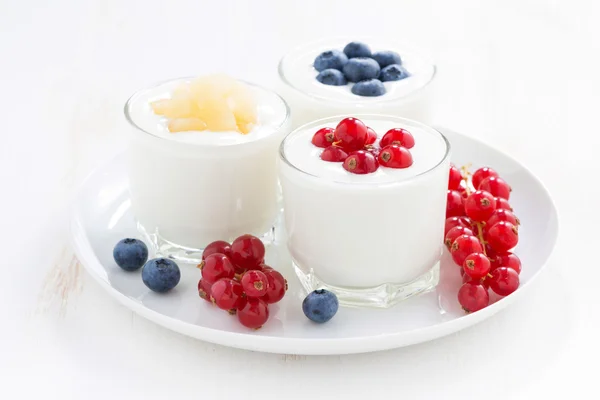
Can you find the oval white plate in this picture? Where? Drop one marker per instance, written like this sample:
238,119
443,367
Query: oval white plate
101,217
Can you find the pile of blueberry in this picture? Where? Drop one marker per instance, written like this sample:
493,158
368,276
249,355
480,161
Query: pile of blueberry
159,274
359,65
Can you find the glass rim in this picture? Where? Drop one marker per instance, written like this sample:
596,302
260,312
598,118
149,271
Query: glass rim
446,155
286,81
137,93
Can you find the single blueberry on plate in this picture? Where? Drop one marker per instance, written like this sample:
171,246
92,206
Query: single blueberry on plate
331,77
130,254
357,49
320,305
393,72
368,88
385,58
330,59
359,69
161,274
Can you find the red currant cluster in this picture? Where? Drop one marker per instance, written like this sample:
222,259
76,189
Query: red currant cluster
235,278
480,231
353,143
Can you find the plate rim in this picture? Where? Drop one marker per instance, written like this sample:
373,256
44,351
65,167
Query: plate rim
298,345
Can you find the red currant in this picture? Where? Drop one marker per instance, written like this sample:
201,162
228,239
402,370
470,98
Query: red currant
502,215
226,294
258,267
502,236
457,221
454,204
371,136
504,281
361,162
481,174
373,150
323,137
254,313
393,156
463,246
215,267
455,179
334,154
247,251
466,278
276,286
204,289
508,260
476,265
242,302
456,232
502,204
473,297
254,283
491,253
351,133
219,246
398,136
496,186
480,206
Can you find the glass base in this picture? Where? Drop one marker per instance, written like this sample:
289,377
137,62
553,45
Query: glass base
161,247
382,296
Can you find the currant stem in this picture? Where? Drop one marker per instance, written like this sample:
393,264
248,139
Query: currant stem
466,175
480,236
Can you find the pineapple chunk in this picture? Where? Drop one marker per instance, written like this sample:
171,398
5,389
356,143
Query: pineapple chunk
183,91
217,114
244,108
186,124
216,102
174,108
160,106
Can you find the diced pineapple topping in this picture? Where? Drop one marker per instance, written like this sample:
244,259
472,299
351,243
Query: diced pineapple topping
214,102
186,124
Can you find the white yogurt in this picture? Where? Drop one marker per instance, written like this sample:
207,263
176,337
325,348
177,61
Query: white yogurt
310,99
192,188
270,109
429,149
362,231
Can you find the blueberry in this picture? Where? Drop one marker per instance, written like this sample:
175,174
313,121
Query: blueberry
130,254
369,88
359,69
330,59
161,274
320,305
357,49
393,72
385,58
331,77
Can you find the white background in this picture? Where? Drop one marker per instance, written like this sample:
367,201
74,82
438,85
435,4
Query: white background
524,75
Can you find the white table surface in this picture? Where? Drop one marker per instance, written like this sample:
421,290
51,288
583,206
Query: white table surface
524,75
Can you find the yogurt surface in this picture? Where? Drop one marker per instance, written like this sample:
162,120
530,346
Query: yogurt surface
429,150
271,109
297,70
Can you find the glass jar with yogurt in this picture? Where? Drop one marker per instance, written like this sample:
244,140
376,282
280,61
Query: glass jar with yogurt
309,99
373,239
190,188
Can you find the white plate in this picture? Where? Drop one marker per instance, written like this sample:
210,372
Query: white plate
102,216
